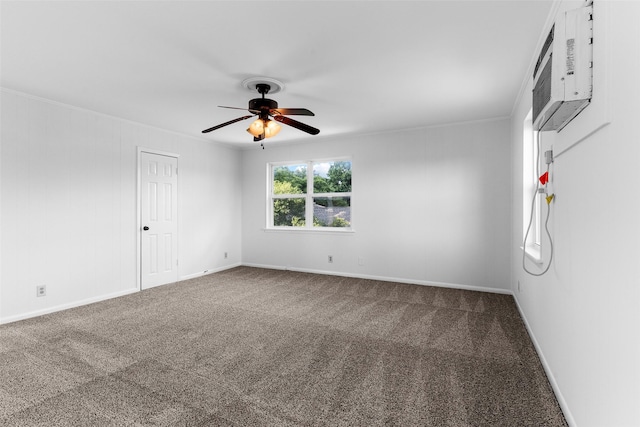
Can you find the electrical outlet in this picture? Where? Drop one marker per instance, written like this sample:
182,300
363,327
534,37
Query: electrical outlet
518,285
41,290
226,255
360,260
330,258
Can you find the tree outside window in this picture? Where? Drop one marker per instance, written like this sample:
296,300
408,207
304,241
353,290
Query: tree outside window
313,194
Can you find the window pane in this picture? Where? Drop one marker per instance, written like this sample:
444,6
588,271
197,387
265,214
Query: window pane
332,211
332,177
290,179
288,212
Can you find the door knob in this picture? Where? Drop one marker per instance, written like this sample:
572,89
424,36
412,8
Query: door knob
145,228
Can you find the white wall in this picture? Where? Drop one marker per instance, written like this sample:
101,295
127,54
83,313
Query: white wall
69,204
584,314
429,206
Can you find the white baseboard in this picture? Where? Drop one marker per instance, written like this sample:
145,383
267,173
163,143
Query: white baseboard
552,380
273,267
74,304
386,279
204,273
67,306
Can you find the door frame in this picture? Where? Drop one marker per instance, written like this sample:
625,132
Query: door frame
139,152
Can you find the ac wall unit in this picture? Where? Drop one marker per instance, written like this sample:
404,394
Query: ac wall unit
562,77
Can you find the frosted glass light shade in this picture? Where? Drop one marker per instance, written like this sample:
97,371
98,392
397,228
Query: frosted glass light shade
272,129
258,127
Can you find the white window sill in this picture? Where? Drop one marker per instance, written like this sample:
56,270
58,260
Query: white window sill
325,230
533,252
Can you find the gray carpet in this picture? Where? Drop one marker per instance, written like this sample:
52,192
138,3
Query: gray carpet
251,346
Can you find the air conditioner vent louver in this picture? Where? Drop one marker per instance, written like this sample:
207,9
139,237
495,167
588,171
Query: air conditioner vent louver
545,48
542,91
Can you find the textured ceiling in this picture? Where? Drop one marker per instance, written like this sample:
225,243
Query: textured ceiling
360,66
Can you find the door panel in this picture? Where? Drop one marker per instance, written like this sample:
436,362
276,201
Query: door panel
158,209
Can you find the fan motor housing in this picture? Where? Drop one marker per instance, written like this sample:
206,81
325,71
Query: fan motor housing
262,104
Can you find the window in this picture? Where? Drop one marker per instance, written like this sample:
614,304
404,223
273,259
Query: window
530,175
310,195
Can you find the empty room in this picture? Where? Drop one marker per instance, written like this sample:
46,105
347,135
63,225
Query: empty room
320,213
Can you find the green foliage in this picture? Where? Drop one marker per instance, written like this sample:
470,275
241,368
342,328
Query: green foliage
297,222
297,179
340,177
328,202
284,187
338,180
334,222
291,211
340,222
321,185
288,212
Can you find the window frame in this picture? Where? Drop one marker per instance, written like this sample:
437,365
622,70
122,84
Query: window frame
530,180
309,197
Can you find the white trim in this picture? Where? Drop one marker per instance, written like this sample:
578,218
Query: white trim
273,267
67,306
547,369
534,253
122,119
316,230
385,279
141,150
100,298
158,152
207,272
358,134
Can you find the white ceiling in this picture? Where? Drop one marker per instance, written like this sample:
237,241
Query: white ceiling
360,66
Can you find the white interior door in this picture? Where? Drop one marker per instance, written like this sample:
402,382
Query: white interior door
159,222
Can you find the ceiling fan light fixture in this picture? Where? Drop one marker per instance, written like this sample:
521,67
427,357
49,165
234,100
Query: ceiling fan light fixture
266,126
272,129
256,128
263,107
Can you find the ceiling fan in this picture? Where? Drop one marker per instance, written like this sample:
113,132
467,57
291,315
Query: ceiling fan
263,107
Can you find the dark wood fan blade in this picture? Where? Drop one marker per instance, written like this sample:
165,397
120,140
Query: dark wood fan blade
233,108
238,108
226,123
296,124
291,112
